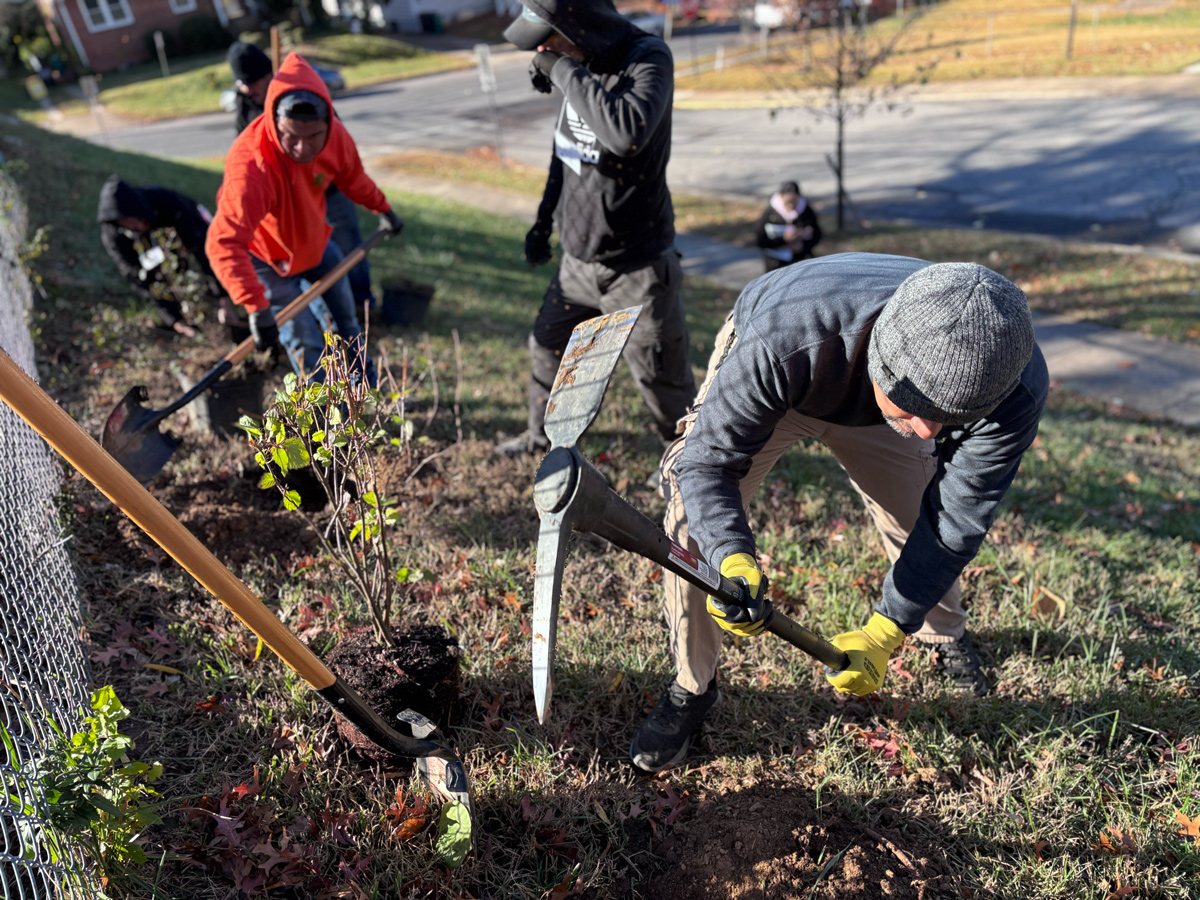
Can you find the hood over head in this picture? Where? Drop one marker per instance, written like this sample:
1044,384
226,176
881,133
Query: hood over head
593,25
118,199
294,75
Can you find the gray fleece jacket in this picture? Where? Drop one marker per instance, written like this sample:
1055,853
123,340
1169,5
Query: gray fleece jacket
802,336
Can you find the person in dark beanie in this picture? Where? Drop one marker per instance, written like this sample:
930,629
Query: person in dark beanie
607,193
252,74
788,230
127,216
925,383
269,234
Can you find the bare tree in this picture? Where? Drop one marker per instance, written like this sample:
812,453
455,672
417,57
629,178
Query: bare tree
836,56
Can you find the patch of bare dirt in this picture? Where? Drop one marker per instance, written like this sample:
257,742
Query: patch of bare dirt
420,672
769,842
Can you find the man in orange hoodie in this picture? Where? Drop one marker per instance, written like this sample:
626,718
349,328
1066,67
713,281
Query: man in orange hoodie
270,233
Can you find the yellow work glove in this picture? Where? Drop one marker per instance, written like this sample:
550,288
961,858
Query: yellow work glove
748,617
869,651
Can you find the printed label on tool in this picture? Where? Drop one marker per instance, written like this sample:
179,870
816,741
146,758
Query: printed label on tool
706,572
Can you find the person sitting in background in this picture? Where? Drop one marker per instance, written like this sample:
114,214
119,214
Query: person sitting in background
127,215
787,231
252,74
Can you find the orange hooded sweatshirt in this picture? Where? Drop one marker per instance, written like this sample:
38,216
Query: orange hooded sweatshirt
274,207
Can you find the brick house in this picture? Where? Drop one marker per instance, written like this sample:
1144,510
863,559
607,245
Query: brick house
108,34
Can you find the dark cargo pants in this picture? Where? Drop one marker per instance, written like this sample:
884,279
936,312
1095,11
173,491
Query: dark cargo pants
657,352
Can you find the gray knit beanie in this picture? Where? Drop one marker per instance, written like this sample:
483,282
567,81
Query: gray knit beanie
951,343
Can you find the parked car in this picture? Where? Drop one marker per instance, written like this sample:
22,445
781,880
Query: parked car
650,22
332,77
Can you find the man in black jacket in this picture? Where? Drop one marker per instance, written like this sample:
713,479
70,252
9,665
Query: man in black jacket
127,215
252,74
607,193
926,384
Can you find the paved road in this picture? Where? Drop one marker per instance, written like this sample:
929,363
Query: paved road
1122,169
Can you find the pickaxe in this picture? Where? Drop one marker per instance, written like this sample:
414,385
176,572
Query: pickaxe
570,494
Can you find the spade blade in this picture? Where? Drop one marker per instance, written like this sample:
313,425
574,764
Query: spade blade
584,373
131,435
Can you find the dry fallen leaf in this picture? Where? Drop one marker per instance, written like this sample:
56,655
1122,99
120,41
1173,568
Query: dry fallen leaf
1116,842
1191,827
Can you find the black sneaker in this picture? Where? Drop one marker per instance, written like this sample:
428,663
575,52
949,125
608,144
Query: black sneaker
961,665
524,444
665,736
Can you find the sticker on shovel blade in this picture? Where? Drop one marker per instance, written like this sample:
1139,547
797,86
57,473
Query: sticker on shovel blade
706,573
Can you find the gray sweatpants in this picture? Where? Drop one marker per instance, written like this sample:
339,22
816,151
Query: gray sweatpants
888,471
657,352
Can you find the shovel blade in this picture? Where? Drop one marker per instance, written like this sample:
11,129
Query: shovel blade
132,437
553,537
583,375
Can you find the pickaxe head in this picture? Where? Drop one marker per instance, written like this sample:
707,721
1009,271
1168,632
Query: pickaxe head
567,489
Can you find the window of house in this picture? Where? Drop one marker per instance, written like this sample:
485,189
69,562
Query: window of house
100,15
182,6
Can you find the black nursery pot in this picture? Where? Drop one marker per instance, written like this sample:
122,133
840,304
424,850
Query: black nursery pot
218,409
406,304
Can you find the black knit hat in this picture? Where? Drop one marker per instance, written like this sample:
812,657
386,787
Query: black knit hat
248,62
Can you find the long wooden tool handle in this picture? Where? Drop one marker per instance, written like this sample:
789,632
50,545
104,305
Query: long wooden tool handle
289,312
66,436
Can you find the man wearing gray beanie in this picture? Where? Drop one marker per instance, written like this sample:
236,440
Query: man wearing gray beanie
925,383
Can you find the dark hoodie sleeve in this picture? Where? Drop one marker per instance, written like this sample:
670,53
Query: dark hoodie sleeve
623,120
552,191
809,218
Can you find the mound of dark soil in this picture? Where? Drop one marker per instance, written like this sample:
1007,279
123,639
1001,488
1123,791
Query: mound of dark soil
420,672
769,842
231,517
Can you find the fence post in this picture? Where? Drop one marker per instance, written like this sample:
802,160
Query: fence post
1071,27
160,46
720,62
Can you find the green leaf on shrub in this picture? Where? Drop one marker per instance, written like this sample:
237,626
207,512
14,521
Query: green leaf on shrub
453,834
297,453
267,481
249,425
280,457
291,501
370,499
318,436
289,382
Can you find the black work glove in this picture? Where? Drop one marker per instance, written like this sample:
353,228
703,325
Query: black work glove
539,70
537,244
391,223
265,331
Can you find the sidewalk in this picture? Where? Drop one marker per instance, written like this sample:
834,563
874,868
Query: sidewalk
1121,368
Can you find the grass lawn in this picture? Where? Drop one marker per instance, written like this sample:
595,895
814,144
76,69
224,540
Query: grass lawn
1078,777
1028,38
196,82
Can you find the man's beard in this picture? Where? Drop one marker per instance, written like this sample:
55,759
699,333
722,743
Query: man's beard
897,425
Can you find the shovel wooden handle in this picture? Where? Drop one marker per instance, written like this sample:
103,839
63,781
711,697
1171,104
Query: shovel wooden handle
289,312
66,436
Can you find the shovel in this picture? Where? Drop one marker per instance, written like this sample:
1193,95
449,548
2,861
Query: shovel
436,761
131,432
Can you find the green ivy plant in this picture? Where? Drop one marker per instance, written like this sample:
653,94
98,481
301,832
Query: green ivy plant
340,429
93,795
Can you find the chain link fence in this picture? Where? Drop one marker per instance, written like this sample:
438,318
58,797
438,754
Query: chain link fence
44,675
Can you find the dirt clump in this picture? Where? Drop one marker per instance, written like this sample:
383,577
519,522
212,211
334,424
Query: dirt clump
769,842
420,672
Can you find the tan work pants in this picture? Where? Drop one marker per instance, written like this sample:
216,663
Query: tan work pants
890,473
